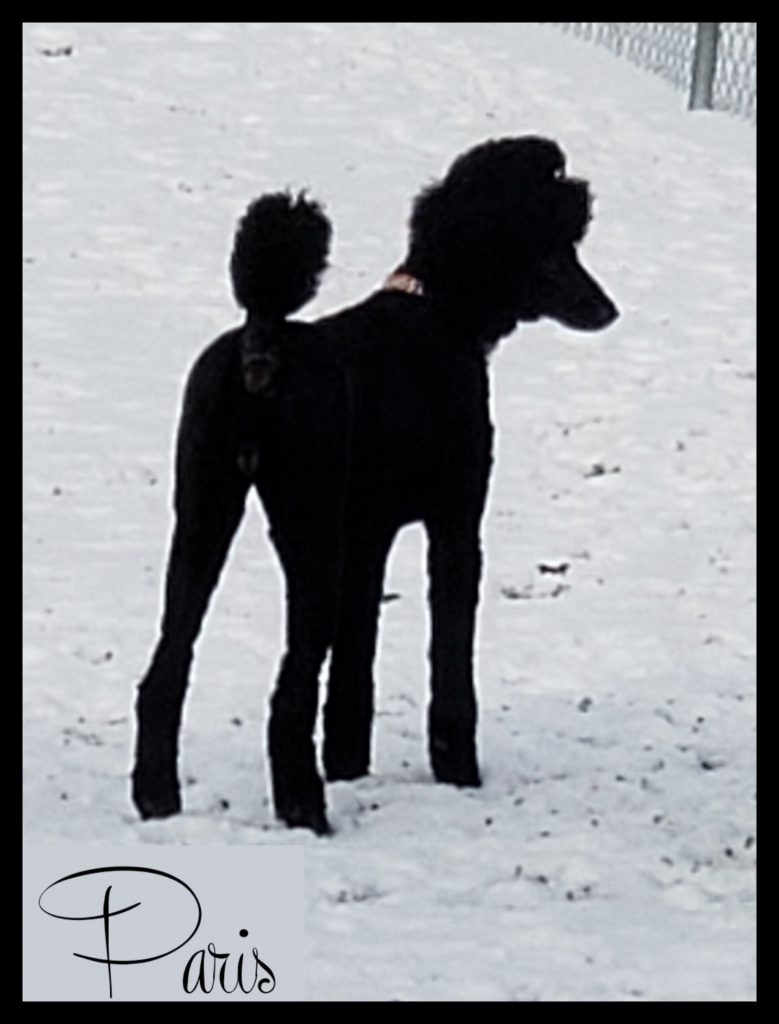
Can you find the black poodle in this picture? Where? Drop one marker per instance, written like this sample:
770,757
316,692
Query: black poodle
349,428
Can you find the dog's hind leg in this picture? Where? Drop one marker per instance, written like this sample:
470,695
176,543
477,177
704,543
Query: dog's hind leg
312,581
454,561
199,548
209,499
348,713
303,489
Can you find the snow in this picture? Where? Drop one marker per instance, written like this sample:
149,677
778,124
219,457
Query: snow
610,854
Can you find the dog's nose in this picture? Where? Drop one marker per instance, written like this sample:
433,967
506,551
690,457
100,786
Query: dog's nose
593,315
607,314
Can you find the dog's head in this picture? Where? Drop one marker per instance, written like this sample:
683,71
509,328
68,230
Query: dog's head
496,240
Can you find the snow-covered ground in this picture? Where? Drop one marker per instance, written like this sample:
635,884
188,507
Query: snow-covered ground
611,852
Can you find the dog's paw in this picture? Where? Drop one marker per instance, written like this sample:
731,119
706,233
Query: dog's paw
454,763
313,818
153,802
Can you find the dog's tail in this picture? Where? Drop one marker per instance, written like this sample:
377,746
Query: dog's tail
279,254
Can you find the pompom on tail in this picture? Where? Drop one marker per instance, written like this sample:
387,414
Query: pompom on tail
280,251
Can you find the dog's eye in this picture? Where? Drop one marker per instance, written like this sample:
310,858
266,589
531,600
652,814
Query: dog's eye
559,173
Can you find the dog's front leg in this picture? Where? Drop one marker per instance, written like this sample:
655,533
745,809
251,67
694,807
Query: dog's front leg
348,713
454,561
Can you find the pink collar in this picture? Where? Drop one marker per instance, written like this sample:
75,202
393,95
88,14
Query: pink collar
401,281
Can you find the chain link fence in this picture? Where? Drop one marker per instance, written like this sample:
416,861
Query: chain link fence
667,48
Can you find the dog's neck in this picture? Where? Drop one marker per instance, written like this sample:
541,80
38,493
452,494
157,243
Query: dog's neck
400,280
403,280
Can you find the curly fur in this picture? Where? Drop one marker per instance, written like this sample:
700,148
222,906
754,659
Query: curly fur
348,428
279,254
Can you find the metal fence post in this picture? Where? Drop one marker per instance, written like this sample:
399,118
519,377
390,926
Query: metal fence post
704,65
